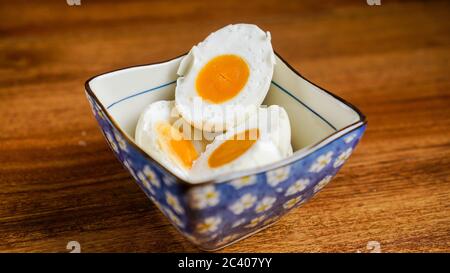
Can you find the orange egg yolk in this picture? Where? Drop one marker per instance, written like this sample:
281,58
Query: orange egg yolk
171,140
222,78
233,148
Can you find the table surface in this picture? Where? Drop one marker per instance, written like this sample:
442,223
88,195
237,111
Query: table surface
59,181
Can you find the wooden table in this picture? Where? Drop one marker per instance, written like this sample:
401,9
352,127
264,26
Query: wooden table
60,182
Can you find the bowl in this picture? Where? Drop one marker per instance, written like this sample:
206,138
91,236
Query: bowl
217,213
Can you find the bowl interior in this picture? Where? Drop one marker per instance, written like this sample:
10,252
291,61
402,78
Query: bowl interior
314,114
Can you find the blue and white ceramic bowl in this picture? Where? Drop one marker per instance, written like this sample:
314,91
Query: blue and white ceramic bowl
214,214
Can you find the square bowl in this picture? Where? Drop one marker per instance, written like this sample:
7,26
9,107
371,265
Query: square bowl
216,213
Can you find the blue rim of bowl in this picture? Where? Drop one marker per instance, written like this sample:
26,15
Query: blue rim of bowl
223,178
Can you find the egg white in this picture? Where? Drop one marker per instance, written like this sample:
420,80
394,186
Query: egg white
273,144
146,135
244,40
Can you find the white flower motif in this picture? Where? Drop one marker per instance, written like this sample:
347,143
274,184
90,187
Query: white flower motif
210,224
321,162
244,181
198,240
203,197
127,165
111,142
122,143
342,158
172,201
265,204
173,217
229,238
349,138
100,113
256,221
150,176
271,220
169,181
322,183
144,181
245,202
298,186
277,176
238,222
148,179
292,202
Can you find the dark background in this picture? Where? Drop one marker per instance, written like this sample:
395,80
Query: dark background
59,182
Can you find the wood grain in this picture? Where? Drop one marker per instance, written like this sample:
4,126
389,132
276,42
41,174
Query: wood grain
59,182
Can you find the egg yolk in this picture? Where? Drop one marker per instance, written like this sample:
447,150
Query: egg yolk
222,78
233,148
172,142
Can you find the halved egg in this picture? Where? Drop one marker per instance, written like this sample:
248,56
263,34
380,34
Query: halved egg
163,134
225,78
262,139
